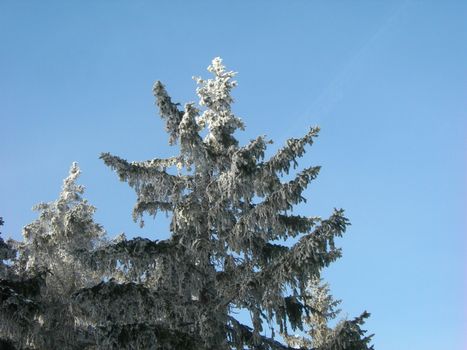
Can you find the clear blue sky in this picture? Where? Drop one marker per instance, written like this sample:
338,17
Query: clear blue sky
385,80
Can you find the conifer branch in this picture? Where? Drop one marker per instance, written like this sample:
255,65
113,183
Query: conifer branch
295,148
168,111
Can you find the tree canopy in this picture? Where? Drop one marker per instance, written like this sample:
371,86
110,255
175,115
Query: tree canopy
67,285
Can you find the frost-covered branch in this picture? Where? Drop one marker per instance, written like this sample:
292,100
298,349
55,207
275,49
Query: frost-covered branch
168,111
294,149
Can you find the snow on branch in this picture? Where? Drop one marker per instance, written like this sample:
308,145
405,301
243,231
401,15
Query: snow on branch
168,111
294,149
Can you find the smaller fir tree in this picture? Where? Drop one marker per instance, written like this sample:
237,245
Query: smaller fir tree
347,334
35,309
6,253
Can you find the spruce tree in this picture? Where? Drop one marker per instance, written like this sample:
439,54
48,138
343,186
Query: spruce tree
229,207
48,268
70,287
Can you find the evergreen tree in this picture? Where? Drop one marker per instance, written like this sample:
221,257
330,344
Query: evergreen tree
229,208
323,308
48,268
6,253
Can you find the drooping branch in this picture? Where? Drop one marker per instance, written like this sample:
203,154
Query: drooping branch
265,215
260,282
127,259
138,173
168,111
348,334
290,193
156,189
241,335
294,149
308,256
122,302
241,181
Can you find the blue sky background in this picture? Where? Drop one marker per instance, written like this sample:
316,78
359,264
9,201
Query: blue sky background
385,80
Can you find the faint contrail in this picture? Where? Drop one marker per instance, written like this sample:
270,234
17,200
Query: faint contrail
334,91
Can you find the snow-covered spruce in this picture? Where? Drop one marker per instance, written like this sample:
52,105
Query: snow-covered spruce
71,288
